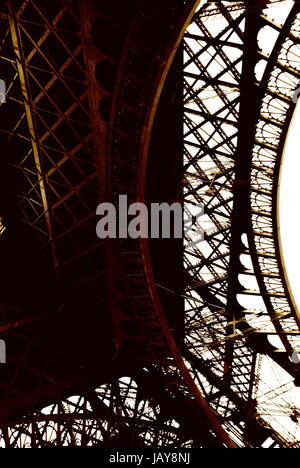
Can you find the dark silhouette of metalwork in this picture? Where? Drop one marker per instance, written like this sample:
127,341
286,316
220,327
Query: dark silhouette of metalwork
144,343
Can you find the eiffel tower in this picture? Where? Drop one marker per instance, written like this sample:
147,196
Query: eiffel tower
146,343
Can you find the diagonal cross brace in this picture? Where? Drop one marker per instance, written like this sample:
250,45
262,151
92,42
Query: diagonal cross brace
31,121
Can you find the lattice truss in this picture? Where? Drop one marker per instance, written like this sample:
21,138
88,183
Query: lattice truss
212,74
42,59
52,122
112,416
50,128
46,125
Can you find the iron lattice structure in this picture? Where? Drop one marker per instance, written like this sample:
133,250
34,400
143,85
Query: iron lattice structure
104,347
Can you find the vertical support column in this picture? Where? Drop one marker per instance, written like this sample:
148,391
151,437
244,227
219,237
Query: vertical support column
249,112
88,15
32,125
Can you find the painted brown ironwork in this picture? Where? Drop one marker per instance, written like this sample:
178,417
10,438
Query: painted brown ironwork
94,358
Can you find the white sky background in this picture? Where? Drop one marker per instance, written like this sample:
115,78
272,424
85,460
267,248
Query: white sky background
289,194
289,213
277,406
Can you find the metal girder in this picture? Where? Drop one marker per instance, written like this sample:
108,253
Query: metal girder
233,201
214,373
32,125
143,295
246,129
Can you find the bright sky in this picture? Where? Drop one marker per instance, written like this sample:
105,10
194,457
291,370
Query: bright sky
277,396
288,205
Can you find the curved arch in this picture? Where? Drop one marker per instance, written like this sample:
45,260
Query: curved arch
271,133
158,322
